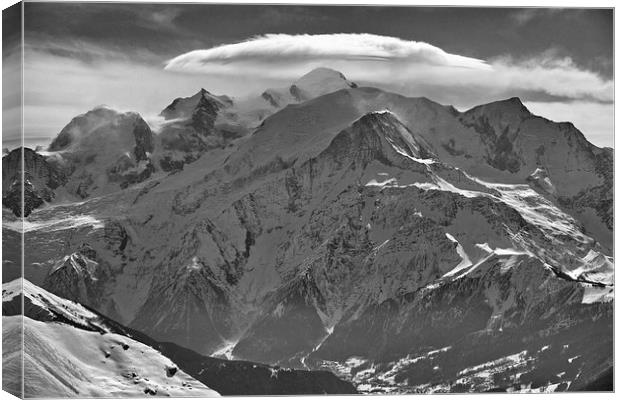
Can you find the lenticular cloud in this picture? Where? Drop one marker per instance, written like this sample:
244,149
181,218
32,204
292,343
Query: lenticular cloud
384,60
282,48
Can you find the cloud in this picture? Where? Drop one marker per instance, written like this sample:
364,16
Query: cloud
272,48
392,61
60,84
555,76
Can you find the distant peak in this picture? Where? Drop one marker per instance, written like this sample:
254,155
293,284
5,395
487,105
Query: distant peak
381,112
514,101
512,105
322,74
104,108
318,82
379,115
515,104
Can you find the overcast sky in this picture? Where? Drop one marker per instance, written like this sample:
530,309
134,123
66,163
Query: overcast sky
140,56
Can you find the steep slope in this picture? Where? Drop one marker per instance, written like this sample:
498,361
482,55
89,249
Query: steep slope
194,125
102,151
184,107
498,142
407,240
476,334
577,174
40,180
81,356
63,338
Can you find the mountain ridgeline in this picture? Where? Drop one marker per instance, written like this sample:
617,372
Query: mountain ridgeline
395,242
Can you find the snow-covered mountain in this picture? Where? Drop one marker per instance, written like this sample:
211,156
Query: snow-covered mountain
194,125
102,151
400,243
71,351
316,83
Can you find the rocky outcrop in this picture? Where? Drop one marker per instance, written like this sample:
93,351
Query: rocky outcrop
203,116
145,143
41,178
600,197
498,126
184,107
191,129
76,276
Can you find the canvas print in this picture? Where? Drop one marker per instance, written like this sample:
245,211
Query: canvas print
228,199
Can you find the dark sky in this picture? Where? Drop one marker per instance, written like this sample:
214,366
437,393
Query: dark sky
78,56
166,30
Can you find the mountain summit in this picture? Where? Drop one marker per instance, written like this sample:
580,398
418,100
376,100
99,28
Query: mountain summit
318,82
184,107
321,81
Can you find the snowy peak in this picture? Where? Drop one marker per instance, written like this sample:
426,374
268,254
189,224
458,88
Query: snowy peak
103,150
385,126
497,118
509,107
75,276
321,81
99,129
318,82
185,107
498,125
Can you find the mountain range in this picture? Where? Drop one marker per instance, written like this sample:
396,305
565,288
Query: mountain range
384,243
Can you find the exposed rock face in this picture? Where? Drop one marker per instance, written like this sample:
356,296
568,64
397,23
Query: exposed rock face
203,116
600,197
498,126
144,140
191,129
76,276
41,178
185,107
521,143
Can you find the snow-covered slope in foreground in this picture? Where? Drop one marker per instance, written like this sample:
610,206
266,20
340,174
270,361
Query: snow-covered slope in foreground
63,361
66,360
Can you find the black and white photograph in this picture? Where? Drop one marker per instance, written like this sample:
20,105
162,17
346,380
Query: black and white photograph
204,199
